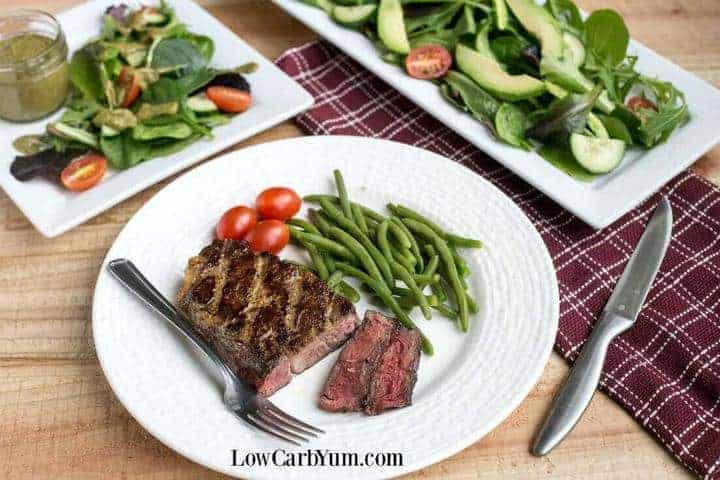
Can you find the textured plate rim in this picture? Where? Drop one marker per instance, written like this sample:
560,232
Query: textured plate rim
518,396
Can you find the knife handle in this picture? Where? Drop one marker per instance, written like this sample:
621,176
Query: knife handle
577,391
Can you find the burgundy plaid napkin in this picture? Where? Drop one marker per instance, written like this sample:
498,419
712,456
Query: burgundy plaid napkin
666,370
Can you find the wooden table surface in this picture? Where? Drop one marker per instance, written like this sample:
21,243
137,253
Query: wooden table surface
60,420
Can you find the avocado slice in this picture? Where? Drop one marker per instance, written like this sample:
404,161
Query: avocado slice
488,73
541,24
391,26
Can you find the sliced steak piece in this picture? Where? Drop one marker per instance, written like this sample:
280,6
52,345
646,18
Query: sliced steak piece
266,318
394,377
347,386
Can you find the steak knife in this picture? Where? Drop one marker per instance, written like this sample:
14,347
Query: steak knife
619,314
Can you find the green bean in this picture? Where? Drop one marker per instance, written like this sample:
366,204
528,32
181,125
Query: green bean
472,305
304,224
342,194
414,247
460,263
446,311
439,291
405,261
425,280
401,237
457,240
348,225
323,243
367,211
449,264
407,278
358,251
383,292
359,218
320,221
317,260
347,291
330,262
409,302
382,240
432,265
335,278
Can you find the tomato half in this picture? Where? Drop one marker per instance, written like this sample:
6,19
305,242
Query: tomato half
129,81
268,236
236,223
84,172
229,99
428,61
279,203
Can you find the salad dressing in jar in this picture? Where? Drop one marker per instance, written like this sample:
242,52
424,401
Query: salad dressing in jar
34,73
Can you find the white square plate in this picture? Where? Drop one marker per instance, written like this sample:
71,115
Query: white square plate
53,210
598,203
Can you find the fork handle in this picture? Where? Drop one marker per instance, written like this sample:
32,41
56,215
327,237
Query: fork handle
128,274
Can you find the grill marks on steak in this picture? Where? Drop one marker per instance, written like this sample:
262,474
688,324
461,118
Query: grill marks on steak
376,370
266,318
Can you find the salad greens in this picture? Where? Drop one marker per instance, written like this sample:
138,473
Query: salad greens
535,75
139,90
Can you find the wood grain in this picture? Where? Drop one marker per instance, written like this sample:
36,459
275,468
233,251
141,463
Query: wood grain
59,419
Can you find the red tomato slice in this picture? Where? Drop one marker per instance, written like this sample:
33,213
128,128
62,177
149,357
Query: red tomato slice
229,99
236,223
268,236
428,61
639,102
279,203
84,172
130,84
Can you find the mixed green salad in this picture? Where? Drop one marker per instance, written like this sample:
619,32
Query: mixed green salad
539,76
143,89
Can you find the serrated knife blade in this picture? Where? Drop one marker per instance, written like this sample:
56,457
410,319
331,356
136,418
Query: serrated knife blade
619,314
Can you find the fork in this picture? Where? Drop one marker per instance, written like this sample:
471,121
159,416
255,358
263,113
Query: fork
241,400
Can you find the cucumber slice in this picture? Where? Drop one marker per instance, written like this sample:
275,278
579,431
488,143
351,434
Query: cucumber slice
596,126
597,155
391,26
106,131
201,104
573,49
501,14
353,16
325,5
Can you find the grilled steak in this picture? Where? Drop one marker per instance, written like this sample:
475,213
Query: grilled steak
347,385
376,370
394,378
266,318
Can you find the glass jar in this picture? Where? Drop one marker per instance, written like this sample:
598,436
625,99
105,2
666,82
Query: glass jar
34,72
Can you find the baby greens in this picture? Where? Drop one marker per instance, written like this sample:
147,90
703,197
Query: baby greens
133,89
534,75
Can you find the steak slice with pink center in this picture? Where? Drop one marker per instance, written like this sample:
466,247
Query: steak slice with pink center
394,377
347,386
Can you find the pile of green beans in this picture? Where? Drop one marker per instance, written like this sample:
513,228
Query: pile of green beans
405,260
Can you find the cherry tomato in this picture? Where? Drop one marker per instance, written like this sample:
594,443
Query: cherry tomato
130,84
428,61
279,203
268,236
84,172
236,223
229,99
640,102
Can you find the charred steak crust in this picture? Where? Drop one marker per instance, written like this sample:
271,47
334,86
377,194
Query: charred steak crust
265,317
347,385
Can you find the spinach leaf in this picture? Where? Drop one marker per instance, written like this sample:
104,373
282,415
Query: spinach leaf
510,125
466,24
564,116
177,54
84,73
433,19
477,101
606,37
562,158
616,128
168,89
510,50
567,13
446,38
123,151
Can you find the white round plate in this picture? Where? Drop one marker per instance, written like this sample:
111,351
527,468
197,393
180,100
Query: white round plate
468,387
